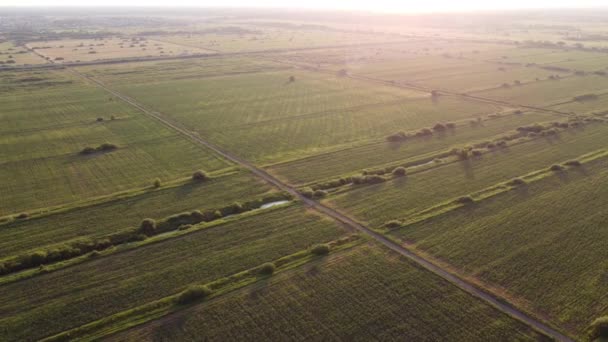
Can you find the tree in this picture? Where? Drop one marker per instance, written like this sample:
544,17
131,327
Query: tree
156,183
148,226
267,269
320,249
399,171
192,294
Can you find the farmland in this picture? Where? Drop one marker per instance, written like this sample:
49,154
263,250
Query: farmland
86,50
512,243
303,304
154,271
65,118
317,112
244,175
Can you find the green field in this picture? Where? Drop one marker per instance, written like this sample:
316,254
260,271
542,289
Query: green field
276,120
228,174
361,294
154,271
514,243
400,198
333,164
41,161
112,215
550,92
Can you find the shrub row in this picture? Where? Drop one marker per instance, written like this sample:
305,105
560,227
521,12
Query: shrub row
147,228
424,132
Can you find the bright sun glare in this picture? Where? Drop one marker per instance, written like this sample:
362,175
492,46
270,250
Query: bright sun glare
378,5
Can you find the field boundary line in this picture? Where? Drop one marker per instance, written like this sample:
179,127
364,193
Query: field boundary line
497,302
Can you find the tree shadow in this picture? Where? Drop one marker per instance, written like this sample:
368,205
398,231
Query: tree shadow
563,176
467,167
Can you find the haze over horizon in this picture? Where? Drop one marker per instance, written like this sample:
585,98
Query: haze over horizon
394,6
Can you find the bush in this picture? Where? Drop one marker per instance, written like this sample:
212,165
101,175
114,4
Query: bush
439,127
461,153
392,224
556,167
399,171
374,179
148,227
319,193
156,183
199,176
573,163
307,192
450,125
598,329
22,216
88,150
292,79
476,153
197,216
465,200
516,182
267,269
184,227
425,132
536,128
99,119
193,294
105,147
399,136
232,209
320,249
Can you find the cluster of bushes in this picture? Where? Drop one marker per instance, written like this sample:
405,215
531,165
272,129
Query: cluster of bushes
105,147
59,253
424,132
147,228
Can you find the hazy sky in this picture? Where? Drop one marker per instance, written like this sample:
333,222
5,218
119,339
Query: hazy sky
375,5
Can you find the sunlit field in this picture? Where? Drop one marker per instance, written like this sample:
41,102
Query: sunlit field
234,174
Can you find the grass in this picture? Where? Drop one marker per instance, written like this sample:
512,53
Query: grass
551,259
40,157
397,199
364,293
106,217
328,165
154,271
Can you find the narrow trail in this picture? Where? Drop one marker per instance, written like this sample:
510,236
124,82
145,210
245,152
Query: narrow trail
499,303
